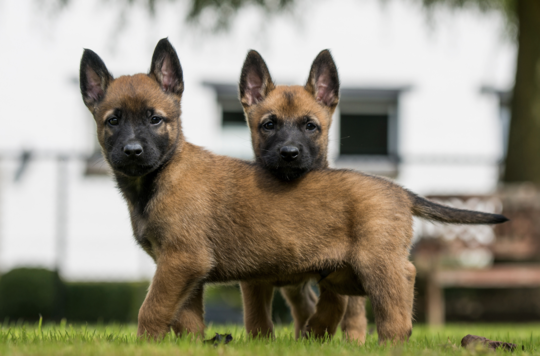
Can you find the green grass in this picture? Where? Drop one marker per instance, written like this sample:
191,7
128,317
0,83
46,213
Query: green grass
68,339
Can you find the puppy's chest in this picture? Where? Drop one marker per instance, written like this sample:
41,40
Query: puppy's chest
145,234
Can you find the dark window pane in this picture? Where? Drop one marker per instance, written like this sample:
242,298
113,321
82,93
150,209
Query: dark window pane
233,118
364,135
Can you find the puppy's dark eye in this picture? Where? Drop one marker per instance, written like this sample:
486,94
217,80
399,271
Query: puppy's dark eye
113,121
311,126
269,125
156,120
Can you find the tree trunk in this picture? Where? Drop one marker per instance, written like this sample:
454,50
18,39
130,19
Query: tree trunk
523,159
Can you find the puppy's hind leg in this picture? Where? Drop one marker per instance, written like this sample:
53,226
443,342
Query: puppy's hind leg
302,300
387,281
354,322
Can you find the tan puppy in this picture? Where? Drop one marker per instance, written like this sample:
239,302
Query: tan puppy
289,146
205,218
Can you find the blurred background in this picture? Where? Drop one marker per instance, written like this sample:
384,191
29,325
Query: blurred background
441,95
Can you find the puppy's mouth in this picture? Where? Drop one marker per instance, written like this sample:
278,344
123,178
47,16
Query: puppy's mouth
288,173
132,167
134,170
284,170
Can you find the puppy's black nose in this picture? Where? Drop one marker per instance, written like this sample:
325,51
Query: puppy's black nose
133,149
289,153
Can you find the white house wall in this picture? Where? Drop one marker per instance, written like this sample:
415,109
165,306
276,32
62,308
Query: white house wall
442,116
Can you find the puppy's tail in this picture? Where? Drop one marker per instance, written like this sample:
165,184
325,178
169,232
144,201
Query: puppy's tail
426,209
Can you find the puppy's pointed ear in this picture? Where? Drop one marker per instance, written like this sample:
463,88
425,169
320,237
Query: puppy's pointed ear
94,78
323,81
166,69
255,81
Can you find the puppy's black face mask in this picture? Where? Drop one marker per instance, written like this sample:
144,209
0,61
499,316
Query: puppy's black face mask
289,124
135,142
288,148
138,116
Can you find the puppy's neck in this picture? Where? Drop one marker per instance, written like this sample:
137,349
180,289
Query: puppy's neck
139,191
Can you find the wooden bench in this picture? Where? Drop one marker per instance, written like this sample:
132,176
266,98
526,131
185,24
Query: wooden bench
498,276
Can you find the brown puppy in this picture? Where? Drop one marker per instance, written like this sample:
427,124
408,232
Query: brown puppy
290,146
205,218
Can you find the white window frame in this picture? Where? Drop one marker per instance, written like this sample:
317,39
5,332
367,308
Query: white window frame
365,101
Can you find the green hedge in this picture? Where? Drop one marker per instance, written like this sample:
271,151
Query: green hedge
104,301
27,293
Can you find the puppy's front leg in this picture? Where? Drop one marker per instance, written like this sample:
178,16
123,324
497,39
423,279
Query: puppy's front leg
190,317
177,276
328,315
257,298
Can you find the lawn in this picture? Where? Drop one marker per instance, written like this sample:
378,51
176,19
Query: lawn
68,339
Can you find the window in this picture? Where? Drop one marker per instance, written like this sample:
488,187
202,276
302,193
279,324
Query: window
364,134
235,138
505,98
232,118
368,130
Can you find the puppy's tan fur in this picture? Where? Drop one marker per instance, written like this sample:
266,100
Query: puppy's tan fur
290,105
207,218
